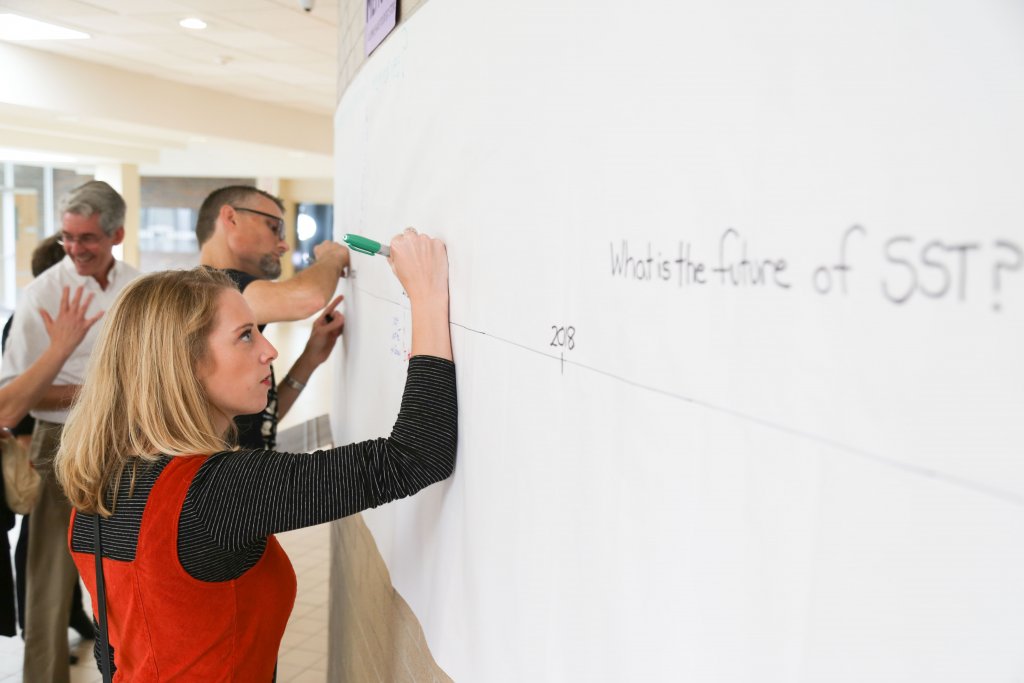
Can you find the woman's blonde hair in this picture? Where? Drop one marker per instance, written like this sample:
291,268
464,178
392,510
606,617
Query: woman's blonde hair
141,397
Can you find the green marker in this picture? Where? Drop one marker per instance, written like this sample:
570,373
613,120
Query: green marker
366,246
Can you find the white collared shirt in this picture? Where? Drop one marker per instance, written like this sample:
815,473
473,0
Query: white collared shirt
28,338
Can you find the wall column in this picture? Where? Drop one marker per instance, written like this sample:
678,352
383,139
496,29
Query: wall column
125,179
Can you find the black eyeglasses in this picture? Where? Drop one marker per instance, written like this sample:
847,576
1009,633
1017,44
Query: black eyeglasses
277,227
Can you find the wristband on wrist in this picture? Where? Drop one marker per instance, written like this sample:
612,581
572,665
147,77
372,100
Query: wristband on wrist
294,383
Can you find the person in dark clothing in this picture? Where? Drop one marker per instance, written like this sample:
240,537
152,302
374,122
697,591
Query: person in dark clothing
203,586
240,230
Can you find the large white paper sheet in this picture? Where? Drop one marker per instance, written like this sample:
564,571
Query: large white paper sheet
737,309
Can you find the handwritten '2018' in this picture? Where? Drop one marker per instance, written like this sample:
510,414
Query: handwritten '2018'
564,337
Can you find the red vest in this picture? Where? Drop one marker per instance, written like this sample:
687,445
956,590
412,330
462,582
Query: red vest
167,626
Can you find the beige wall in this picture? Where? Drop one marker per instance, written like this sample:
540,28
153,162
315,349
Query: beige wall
190,192
71,86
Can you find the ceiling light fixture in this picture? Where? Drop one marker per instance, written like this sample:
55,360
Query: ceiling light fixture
194,23
19,28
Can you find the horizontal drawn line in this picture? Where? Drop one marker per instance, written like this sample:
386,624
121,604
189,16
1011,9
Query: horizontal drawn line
382,298
936,475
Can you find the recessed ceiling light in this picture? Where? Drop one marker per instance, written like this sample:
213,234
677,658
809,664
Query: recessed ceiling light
17,27
193,23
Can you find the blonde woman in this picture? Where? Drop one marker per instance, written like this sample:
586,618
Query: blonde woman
197,587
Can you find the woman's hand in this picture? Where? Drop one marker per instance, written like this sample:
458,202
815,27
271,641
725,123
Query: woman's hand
71,325
421,265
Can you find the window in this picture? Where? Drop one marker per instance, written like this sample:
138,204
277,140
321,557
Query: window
314,223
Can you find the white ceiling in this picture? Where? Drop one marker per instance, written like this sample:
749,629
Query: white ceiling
263,49
256,50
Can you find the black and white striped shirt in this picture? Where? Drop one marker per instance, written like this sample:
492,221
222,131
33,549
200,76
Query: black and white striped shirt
238,498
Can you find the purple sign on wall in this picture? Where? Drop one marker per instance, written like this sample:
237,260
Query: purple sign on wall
380,19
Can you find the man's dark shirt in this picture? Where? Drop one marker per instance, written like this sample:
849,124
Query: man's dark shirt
259,430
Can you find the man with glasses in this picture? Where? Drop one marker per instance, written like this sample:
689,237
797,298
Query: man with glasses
241,231
92,223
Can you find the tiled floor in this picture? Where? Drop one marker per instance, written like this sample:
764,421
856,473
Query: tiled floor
303,654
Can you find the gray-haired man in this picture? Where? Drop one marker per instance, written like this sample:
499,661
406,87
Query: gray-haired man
92,222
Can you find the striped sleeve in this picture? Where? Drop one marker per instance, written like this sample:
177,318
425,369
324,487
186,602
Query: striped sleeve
238,498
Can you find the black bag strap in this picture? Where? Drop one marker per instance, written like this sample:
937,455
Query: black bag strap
101,603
